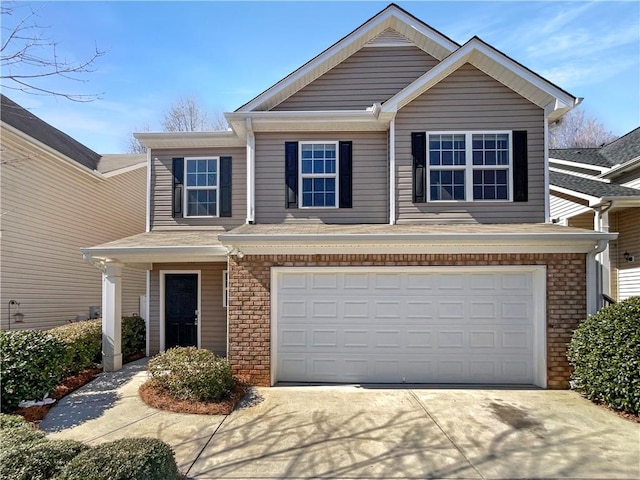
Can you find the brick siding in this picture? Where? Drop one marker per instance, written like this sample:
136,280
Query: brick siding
249,308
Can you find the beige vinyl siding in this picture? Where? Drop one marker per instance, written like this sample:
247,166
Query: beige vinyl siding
564,206
628,226
213,317
470,100
371,75
49,211
370,190
162,187
584,220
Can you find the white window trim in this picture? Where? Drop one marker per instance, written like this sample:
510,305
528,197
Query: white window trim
187,188
225,288
318,175
469,167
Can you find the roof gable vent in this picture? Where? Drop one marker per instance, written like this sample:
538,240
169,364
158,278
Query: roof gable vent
389,38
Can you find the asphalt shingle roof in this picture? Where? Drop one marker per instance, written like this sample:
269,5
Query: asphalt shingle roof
618,152
21,119
595,188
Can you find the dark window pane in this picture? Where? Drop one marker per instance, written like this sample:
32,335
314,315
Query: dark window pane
306,199
318,184
446,176
489,193
477,192
307,166
434,177
434,158
330,185
318,166
477,158
458,177
459,193
434,193
306,185
446,192
477,177
331,199
501,177
489,158
502,193
489,176
318,199
447,158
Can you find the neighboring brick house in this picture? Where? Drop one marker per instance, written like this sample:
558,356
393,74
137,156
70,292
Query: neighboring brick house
599,189
379,215
56,195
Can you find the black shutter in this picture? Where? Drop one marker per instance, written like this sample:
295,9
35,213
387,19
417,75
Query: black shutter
291,174
520,177
225,186
345,172
419,153
178,185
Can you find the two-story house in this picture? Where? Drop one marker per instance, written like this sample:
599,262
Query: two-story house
56,194
378,215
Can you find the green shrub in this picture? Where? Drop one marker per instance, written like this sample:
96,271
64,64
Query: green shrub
126,459
84,344
134,336
15,430
189,373
31,364
605,352
40,461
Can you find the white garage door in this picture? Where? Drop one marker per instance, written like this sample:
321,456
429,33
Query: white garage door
414,325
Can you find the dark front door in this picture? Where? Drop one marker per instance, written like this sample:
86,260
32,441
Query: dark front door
181,309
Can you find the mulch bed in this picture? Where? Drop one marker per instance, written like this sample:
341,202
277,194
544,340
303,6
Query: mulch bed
156,398
68,385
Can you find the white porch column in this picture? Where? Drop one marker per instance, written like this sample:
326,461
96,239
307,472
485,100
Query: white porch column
112,317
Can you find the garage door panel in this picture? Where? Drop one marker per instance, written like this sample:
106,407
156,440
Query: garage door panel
405,326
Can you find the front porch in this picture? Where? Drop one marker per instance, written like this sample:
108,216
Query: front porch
186,290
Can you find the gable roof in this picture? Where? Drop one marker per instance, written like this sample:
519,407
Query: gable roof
392,18
497,65
591,187
21,119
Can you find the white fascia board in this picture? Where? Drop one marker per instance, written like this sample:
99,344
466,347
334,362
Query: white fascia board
122,170
564,101
158,140
418,243
155,254
617,202
634,162
48,150
581,175
358,37
573,193
585,166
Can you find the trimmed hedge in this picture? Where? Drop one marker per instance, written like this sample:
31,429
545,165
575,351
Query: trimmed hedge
31,364
39,461
189,373
134,336
125,459
605,353
84,344
15,430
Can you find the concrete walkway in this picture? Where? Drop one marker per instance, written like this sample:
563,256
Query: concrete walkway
366,432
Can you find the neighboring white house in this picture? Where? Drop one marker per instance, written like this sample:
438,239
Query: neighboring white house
56,196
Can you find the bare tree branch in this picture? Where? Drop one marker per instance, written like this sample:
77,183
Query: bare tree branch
574,130
133,144
27,56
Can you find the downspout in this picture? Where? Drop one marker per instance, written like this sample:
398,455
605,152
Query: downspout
593,300
148,213
601,224
251,177
392,171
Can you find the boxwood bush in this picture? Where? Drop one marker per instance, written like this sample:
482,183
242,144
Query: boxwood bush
15,430
84,344
126,459
605,353
189,373
134,336
39,461
31,364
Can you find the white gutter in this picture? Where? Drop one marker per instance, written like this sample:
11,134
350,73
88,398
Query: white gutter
621,167
392,172
592,276
251,174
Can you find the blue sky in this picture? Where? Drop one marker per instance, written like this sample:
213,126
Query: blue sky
225,53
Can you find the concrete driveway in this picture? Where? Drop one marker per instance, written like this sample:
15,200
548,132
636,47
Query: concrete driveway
367,432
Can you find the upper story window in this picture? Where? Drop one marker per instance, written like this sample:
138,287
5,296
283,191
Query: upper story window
201,186
469,166
318,174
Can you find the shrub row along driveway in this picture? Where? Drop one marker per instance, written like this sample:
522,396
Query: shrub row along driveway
360,432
